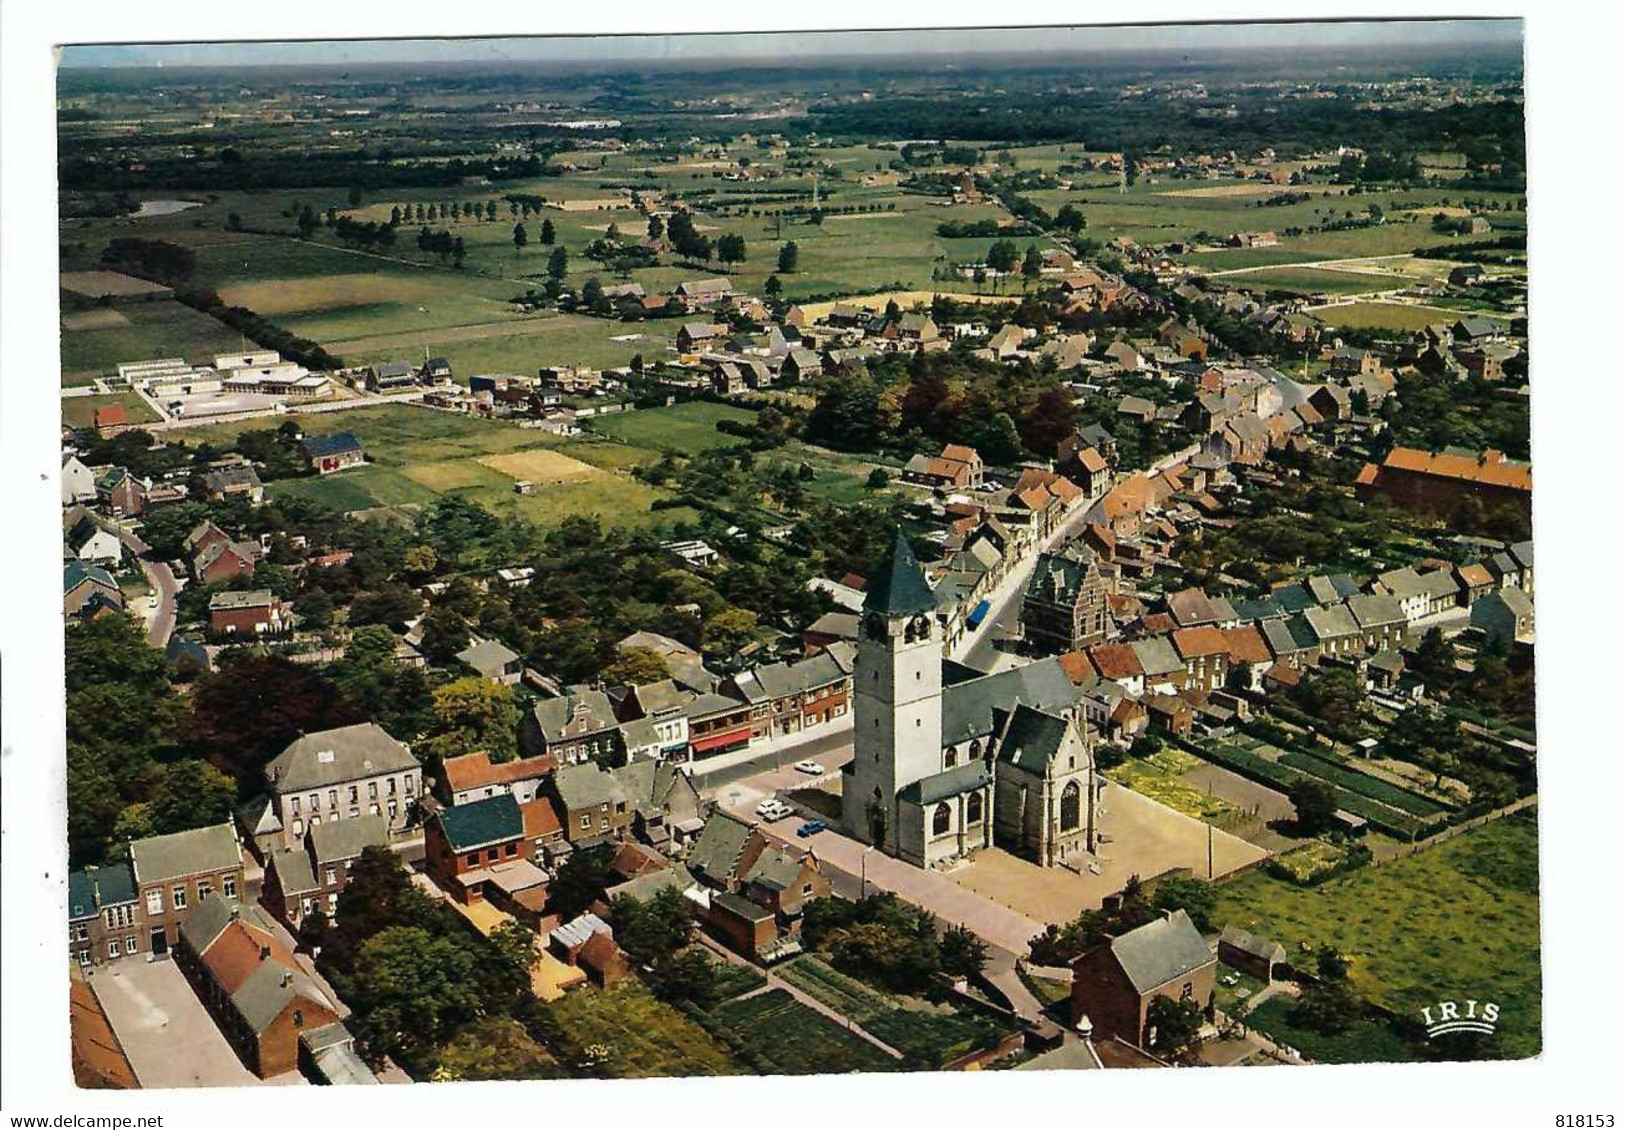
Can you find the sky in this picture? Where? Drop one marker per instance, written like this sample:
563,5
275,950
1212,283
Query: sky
768,46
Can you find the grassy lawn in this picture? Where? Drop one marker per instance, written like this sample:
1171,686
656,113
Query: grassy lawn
1370,1040
418,454
683,428
1457,920
927,1034
632,1035
80,411
795,1040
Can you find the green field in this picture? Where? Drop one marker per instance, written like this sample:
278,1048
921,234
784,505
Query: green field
795,1040
143,331
80,411
1457,920
626,1033
1314,280
1385,316
684,429
419,454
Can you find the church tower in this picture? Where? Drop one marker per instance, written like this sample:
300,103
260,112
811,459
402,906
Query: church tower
897,687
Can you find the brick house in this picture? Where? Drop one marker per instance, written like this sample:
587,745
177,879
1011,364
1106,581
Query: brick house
1204,651
1064,608
245,615
578,726
310,877
1114,984
463,845
591,802
1437,483
104,915
251,984
785,698
335,452
174,874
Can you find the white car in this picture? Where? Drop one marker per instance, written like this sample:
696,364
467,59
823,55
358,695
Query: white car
773,809
811,768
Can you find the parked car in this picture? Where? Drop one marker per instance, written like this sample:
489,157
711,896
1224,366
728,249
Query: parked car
812,768
773,809
811,828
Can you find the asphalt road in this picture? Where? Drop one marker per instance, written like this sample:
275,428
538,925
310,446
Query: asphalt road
771,759
162,580
1004,619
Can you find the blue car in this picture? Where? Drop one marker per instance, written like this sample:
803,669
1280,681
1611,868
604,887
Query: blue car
811,828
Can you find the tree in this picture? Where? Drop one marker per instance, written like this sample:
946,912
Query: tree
653,929
636,667
657,227
1002,256
731,248
1196,897
190,794
728,631
520,238
1173,1026
548,235
558,263
445,633
490,209
1316,805
1032,264
411,990
313,930
458,252
355,196
963,953
1070,219
773,287
492,1048
474,713
878,478
789,257
581,880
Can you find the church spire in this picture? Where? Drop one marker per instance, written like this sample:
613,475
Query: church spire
898,587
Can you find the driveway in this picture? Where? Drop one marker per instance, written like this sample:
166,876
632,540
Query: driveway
168,1035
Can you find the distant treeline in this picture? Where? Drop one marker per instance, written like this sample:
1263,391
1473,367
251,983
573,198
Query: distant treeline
259,330
1490,132
305,170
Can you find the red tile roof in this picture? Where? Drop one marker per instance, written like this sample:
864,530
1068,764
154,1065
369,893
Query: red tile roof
1193,642
1246,644
475,771
541,818
1115,661
1078,668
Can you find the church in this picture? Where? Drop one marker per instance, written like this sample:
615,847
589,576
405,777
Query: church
941,771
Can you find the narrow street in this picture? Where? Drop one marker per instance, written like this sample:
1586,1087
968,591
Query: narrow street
161,619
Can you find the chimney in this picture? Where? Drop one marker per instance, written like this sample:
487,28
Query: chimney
287,978
265,953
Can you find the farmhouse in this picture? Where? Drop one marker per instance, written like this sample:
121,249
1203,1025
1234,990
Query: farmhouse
1114,984
335,452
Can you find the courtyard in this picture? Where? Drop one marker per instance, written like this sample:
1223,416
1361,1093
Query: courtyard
169,1037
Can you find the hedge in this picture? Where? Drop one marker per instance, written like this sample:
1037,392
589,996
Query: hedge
1384,792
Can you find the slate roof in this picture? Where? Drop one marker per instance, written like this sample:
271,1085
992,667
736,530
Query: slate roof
488,657
1331,623
716,852
586,708
332,757
775,869
1160,951
76,573
968,708
338,443
949,783
779,680
160,858
1370,610
293,870
344,839
1057,578
483,822
1157,656
93,888
1249,943
586,785
1032,738
898,587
